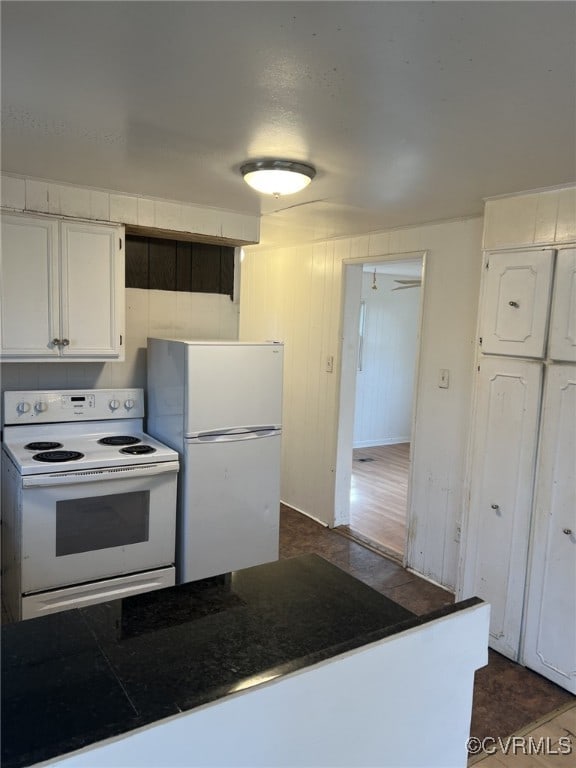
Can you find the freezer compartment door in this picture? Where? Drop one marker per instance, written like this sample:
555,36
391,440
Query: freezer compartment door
229,506
233,385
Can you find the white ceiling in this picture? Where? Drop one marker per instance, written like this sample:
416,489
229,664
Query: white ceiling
410,111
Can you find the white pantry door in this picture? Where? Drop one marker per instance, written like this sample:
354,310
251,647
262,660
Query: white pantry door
550,629
498,526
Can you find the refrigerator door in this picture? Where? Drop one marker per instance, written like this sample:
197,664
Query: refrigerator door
238,433
230,505
233,385
166,365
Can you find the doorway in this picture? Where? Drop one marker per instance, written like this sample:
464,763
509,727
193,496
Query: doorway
382,313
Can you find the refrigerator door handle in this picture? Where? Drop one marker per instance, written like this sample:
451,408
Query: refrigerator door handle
229,435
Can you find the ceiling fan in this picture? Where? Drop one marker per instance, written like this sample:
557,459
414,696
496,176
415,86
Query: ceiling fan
407,284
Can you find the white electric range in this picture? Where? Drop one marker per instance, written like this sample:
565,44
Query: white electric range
88,500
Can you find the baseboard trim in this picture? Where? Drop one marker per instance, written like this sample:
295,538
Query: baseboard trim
431,580
303,512
382,441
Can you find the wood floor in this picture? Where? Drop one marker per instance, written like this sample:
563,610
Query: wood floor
548,743
378,497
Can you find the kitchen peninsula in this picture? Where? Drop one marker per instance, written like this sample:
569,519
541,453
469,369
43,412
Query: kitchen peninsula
293,663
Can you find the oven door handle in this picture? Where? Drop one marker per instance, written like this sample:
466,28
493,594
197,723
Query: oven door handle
93,475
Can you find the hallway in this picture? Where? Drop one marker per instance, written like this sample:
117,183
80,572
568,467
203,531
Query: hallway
378,498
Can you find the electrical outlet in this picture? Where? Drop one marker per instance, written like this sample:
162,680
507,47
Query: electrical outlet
330,364
444,378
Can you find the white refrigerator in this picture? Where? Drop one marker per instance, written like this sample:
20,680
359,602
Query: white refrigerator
219,404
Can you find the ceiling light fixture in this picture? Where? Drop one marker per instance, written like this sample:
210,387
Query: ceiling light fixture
277,177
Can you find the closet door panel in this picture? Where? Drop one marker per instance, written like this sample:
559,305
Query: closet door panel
550,628
498,526
515,302
562,340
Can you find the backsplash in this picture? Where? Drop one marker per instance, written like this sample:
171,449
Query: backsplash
148,313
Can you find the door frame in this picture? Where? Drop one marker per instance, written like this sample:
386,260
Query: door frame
352,269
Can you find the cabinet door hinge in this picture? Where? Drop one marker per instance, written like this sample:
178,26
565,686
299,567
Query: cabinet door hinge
120,242
487,263
120,339
480,340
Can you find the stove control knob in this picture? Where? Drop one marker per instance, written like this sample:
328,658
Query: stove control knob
40,407
114,405
23,407
129,404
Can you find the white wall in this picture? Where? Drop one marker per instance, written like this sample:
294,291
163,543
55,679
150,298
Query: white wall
385,385
294,294
541,217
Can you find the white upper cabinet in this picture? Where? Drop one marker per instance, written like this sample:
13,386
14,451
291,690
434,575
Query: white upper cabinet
29,287
92,274
550,631
515,302
62,290
562,339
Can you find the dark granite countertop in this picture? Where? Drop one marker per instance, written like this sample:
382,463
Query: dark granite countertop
74,678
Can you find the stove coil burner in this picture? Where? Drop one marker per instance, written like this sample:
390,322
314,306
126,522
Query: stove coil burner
138,450
58,456
119,440
42,446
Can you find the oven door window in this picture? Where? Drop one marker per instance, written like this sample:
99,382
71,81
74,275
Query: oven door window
102,522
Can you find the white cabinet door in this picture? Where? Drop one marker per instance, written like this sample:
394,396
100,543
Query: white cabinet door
61,290
502,468
562,340
91,282
29,287
550,628
515,302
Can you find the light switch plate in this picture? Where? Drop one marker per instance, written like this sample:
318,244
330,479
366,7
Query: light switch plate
444,378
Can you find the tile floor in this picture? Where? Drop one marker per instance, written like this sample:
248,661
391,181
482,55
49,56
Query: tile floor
507,696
